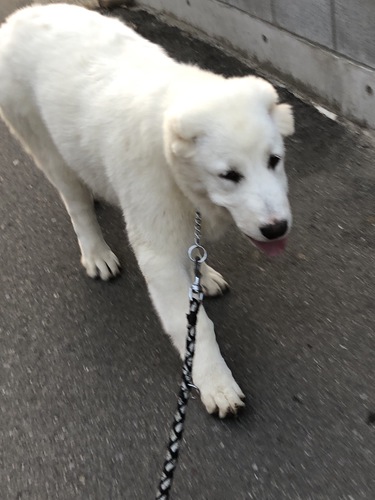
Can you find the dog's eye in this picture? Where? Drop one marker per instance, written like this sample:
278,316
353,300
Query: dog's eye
273,161
232,175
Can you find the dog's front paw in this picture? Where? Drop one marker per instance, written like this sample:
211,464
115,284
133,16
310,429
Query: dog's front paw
213,283
219,392
100,262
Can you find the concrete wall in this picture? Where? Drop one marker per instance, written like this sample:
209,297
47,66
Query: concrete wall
9,6
323,47
345,26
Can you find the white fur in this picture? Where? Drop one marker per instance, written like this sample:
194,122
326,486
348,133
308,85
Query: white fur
103,110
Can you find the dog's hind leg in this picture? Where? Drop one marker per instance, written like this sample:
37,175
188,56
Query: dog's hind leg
96,256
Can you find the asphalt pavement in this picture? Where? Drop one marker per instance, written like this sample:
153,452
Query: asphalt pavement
88,380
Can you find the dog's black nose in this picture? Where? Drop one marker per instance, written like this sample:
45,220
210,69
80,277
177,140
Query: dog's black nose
276,230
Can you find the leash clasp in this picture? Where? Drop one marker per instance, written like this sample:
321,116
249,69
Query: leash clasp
196,389
197,254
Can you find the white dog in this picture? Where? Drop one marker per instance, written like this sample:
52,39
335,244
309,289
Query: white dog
104,111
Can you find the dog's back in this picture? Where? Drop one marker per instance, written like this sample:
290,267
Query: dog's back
59,39
63,66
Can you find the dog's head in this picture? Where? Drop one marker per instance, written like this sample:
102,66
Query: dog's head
224,144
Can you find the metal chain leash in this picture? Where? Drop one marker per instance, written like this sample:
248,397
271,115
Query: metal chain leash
198,255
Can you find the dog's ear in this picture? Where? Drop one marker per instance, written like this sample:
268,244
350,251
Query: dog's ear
266,93
283,116
180,134
281,113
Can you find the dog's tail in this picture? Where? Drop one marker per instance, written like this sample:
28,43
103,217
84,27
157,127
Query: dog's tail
92,4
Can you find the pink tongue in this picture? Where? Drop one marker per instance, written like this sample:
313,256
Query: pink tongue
271,248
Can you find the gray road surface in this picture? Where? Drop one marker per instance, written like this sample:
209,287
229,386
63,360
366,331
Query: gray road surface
88,379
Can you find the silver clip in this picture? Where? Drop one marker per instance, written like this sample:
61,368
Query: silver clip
201,251
197,390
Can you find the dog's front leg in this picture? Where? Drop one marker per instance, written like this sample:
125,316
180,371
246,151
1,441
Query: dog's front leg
168,284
